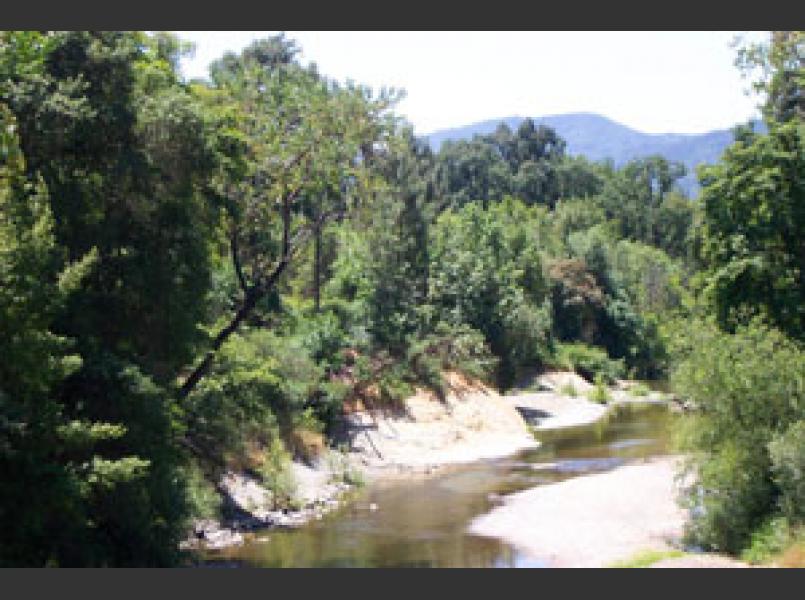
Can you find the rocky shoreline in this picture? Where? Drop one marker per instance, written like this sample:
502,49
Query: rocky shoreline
428,436
248,506
422,438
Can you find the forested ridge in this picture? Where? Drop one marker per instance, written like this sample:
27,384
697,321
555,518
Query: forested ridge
199,274
599,138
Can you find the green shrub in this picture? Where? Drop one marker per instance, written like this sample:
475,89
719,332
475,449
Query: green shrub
646,558
259,383
342,470
568,389
203,500
599,393
307,420
588,361
394,383
747,389
275,473
771,538
353,476
458,347
639,390
787,452
238,401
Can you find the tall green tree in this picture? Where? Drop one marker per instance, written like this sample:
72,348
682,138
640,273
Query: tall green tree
637,198
126,155
486,273
398,243
778,71
305,135
754,215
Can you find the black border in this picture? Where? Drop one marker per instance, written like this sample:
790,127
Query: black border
407,14
380,584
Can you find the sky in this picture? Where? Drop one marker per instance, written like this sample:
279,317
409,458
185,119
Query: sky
655,82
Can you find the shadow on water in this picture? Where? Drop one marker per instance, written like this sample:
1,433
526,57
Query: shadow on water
423,522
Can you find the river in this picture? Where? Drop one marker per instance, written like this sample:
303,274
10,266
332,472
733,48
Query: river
422,522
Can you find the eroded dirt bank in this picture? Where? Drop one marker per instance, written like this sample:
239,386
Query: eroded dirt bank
471,423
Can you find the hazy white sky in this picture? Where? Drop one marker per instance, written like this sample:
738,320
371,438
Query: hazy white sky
657,82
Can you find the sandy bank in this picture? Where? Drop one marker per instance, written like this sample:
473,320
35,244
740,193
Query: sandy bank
592,521
546,404
473,422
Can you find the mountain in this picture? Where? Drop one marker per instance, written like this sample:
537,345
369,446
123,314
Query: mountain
599,138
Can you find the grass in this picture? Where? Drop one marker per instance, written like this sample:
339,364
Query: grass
599,393
568,389
639,390
343,471
646,558
778,543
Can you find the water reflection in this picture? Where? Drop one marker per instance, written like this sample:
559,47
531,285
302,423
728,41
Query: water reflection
423,522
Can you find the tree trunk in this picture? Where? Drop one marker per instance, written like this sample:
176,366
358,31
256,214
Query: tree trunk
204,366
251,296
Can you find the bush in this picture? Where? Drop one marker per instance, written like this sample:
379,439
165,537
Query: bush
343,471
646,558
787,452
238,401
203,500
275,473
588,362
639,390
771,538
458,347
747,390
599,393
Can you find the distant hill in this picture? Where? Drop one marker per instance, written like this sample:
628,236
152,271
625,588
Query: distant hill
598,138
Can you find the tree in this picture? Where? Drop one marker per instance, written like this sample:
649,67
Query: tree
487,168
754,215
58,466
635,194
124,156
781,62
486,273
398,243
747,389
306,135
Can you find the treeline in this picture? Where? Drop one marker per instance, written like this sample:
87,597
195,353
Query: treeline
197,275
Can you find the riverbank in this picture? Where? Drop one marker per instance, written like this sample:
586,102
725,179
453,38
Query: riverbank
422,437
248,505
559,399
596,520
472,422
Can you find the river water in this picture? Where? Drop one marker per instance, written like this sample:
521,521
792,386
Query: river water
422,522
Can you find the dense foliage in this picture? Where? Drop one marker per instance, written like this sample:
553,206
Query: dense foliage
745,436
745,377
